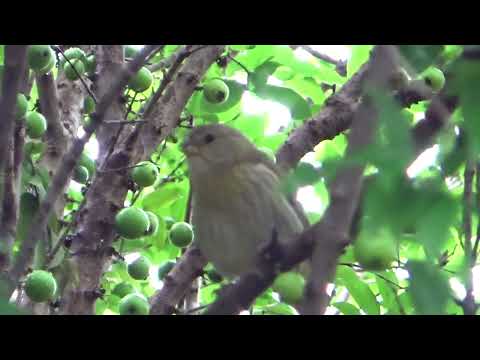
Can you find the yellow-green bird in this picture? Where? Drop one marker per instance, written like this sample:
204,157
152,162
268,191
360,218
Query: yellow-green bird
237,201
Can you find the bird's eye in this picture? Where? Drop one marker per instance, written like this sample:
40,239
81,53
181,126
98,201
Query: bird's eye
209,138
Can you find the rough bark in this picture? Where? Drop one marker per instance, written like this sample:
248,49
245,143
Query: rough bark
15,64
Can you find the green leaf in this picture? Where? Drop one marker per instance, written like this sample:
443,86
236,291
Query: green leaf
466,82
258,79
392,150
272,141
347,308
419,57
429,289
360,54
265,299
297,105
388,291
165,196
359,291
307,86
435,222
252,126
277,309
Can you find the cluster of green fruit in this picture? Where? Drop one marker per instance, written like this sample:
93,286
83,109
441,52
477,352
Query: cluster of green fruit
36,124
133,223
41,59
131,302
143,79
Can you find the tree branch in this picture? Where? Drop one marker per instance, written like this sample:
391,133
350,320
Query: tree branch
68,164
14,72
177,282
340,66
335,117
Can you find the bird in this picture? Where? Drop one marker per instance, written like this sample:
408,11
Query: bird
237,199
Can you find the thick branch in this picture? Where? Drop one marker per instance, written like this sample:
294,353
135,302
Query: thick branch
177,282
335,117
15,64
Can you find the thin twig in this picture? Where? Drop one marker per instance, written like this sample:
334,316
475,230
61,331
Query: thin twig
238,63
361,269
118,169
340,66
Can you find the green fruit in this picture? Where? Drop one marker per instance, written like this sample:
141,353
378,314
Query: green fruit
181,234
451,52
165,268
290,286
36,125
90,64
216,91
132,222
88,105
145,174
32,148
86,161
142,80
22,106
80,174
40,286
138,269
134,304
70,68
153,223
49,67
434,78
123,289
38,56
75,53
169,222
214,275
375,252
130,51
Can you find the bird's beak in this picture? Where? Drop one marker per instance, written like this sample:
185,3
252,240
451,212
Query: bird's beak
189,149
